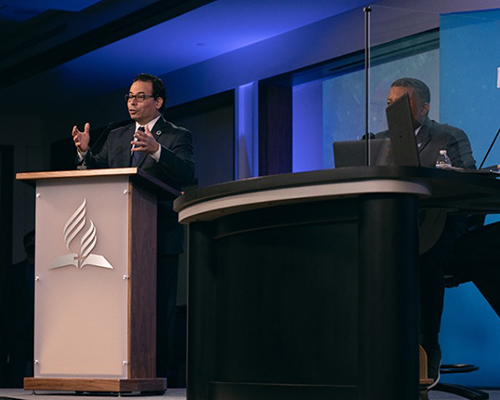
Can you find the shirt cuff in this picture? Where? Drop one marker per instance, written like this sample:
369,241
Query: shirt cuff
81,155
156,155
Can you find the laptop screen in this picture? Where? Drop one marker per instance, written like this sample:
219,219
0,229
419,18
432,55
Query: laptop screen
402,134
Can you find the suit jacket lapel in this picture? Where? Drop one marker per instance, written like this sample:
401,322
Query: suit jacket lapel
423,136
159,128
125,150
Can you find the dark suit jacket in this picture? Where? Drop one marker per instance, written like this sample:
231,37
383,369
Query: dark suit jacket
175,168
433,137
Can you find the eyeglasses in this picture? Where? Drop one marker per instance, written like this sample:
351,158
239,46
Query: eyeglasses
139,97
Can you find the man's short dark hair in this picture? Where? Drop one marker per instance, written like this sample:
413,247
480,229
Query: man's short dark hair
158,87
420,87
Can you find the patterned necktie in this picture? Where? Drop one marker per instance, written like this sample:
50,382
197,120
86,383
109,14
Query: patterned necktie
134,156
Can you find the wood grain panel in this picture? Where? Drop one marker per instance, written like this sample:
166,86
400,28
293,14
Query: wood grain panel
142,283
96,385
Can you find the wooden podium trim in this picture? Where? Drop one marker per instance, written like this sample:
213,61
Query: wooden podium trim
97,385
142,283
159,188
32,176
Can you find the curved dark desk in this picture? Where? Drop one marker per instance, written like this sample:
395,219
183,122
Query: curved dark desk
305,286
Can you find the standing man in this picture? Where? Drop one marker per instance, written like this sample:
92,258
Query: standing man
431,138
164,151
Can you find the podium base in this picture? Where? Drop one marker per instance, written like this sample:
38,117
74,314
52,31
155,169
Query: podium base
152,386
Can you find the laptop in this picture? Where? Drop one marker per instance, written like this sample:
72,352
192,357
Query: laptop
352,153
400,149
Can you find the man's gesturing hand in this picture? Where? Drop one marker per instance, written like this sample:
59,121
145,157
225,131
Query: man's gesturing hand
81,139
144,141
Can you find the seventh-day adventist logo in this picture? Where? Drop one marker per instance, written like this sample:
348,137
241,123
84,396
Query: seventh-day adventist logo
75,224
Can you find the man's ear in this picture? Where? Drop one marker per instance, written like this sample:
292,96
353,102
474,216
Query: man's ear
425,108
159,102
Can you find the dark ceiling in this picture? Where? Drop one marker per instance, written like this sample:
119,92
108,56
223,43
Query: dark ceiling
69,49
54,32
76,48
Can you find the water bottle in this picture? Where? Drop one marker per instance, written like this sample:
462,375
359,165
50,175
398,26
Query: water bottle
443,161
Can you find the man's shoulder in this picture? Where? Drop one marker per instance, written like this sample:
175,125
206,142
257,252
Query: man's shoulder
117,131
170,126
438,128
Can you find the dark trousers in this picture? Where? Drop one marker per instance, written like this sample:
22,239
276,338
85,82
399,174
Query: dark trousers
431,295
477,259
167,272
433,266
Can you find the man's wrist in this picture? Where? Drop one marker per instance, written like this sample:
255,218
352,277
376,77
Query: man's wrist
81,154
157,153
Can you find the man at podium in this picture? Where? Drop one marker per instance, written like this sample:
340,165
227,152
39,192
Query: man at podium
164,151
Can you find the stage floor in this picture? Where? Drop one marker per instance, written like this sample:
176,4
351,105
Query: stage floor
20,394
177,394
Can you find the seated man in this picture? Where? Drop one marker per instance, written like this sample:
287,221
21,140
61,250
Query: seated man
431,138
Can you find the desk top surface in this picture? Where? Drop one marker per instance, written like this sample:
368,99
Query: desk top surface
464,192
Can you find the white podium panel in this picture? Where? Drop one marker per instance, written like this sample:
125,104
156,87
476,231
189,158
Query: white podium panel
81,278
95,288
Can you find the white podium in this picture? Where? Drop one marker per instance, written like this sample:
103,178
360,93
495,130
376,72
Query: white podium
95,280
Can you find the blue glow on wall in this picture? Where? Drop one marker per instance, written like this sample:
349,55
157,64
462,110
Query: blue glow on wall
246,132
470,56
470,99
307,127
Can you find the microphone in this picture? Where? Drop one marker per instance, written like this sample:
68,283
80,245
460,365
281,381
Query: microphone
491,146
367,137
106,130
